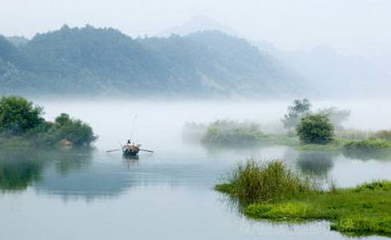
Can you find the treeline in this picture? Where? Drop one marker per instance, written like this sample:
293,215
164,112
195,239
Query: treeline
22,123
92,60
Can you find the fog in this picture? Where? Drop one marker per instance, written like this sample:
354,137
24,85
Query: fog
159,124
162,74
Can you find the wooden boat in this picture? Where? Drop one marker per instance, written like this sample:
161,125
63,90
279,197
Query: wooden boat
130,149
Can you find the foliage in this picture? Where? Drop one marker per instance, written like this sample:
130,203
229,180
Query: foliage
230,133
295,112
315,129
254,182
21,123
363,210
17,115
92,60
65,128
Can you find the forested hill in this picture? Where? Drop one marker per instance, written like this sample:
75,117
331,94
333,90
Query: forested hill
105,61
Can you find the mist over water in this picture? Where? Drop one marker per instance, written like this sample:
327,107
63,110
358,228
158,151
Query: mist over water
160,123
168,194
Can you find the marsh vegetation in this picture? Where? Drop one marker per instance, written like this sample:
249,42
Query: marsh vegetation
272,191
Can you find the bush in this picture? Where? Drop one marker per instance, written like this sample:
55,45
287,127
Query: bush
315,129
17,115
231,133
253,182
65,128
21,122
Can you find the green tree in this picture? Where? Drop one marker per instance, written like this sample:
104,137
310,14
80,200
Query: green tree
75,131
18,115
316,129
295,112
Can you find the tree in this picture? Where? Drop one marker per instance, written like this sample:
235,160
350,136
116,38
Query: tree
315,129
295,112
75,131
17,115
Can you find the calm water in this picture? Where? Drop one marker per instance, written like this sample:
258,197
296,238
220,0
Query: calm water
165,195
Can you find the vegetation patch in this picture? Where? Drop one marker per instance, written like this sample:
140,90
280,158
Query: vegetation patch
315,129
22,124
230,133
254,182
363,210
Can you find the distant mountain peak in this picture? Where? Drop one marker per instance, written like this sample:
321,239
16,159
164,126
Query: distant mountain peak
198,24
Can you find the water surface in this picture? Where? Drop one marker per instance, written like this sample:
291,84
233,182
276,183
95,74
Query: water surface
165,195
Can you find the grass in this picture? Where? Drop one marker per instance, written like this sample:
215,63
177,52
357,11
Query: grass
254,182
363,210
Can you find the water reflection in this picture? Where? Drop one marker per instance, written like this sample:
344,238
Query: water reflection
368,154
20,168
315,163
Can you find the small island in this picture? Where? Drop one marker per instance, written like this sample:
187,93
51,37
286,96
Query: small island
273,192
22,125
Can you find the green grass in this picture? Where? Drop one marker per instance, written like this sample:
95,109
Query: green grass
254,182
363,210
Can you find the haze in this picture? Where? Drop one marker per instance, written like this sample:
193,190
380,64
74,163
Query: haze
351,26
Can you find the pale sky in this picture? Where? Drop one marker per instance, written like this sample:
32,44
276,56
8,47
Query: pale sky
351,26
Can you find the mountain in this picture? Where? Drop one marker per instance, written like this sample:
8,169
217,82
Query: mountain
198,24
105,61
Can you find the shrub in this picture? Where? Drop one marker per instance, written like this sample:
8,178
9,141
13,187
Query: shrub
17,115
65,128
315,129
232,133
22,121
253,182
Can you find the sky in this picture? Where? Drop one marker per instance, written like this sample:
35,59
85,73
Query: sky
350,26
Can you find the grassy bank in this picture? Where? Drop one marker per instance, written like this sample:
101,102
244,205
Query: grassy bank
275,193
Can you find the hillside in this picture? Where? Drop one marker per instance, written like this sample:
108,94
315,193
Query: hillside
105,61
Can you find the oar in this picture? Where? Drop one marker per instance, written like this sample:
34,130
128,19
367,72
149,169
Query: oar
146,150
113,150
